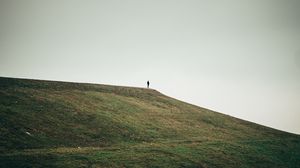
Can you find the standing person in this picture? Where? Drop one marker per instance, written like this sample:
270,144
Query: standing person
148,83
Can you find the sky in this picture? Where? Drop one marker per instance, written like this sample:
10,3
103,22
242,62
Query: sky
237,57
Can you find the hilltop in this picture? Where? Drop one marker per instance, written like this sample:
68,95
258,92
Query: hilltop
64,124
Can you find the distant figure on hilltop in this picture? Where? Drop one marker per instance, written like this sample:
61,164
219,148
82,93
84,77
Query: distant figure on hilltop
148,83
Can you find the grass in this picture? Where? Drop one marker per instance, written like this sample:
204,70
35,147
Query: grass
60,124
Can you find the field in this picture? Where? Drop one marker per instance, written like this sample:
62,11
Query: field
61,124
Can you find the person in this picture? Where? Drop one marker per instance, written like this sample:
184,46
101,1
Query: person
148,83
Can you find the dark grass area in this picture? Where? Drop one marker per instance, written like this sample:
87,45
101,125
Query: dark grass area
61,124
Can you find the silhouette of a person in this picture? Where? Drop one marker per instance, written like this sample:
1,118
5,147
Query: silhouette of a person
148,83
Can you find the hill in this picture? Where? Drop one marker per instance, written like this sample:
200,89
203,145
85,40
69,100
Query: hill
62,124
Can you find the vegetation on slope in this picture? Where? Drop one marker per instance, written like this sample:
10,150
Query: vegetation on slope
60,124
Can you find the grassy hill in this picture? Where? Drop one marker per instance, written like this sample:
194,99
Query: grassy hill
60,124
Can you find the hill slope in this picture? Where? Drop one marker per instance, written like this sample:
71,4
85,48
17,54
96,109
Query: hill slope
60,124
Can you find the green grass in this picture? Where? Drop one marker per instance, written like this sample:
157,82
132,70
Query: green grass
60,124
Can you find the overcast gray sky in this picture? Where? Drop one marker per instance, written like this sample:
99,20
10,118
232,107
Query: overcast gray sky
238,57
